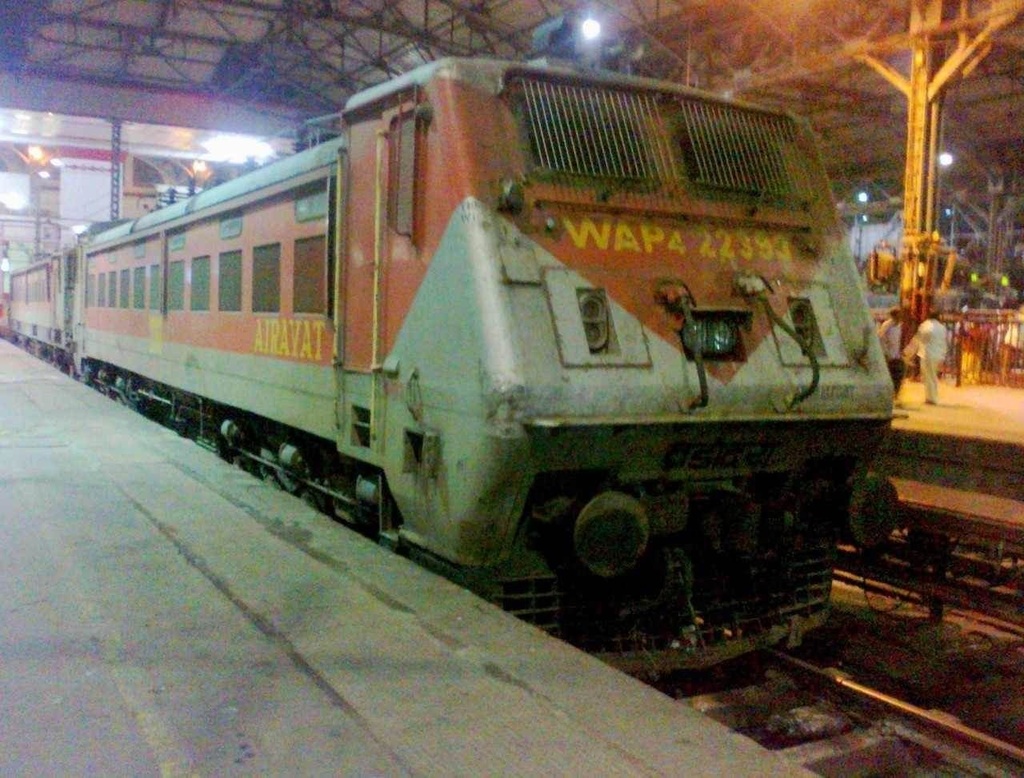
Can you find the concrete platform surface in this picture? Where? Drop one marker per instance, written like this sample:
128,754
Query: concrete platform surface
992,413
162,613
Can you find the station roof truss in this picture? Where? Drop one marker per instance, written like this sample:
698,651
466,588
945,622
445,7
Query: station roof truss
268,66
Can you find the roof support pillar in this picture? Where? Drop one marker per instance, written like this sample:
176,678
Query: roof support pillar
115,169
923,88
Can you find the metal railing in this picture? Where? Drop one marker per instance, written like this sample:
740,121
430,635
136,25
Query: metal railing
986,348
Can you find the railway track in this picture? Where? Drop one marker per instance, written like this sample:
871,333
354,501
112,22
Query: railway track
831,724
946,557
928,636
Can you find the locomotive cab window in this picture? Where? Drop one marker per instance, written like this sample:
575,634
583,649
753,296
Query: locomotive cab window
649,141
112,288
728,150
583,134
403,162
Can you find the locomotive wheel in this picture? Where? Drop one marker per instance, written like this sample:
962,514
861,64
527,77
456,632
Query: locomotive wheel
287,481
874,511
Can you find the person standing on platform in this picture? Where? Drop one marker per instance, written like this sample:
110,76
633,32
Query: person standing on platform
1012,345
929,343
890,333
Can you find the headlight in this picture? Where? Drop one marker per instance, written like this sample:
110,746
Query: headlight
718,337
716,333
594,315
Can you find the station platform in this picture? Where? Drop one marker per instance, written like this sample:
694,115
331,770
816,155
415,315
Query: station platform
983,413
165,614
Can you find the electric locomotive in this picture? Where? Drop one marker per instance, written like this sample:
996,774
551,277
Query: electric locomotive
590,344
39,314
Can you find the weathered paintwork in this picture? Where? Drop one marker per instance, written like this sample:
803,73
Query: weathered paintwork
447,391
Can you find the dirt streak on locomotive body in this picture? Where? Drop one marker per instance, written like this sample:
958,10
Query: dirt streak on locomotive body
590,344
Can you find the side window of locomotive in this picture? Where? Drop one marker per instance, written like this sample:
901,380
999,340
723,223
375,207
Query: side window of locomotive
126,287
402,159
199,298
101,285
154,287
90,290
112,289
311,206
309,284
176,286
229,275
139,288
230,227
266,278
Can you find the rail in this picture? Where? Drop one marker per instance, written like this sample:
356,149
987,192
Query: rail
942,723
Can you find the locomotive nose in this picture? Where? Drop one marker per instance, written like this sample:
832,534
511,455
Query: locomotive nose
611,534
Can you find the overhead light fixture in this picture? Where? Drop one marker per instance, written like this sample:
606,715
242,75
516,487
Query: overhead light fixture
590,29
13,200
862,197
237,149
945,159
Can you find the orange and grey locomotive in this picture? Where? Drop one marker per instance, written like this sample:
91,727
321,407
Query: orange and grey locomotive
590,344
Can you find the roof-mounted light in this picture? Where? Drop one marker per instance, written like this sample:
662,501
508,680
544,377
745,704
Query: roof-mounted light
590,29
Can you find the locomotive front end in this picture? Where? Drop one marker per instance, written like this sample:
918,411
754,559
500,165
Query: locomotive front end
697,373
623,379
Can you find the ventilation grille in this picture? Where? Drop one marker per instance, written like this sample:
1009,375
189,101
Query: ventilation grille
738,150
654,141
596,133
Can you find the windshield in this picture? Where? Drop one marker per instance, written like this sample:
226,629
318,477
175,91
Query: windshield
651,141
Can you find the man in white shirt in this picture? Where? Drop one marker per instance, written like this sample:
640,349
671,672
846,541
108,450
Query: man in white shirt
929,343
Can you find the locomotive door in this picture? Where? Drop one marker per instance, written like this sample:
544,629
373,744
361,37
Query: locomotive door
379,252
